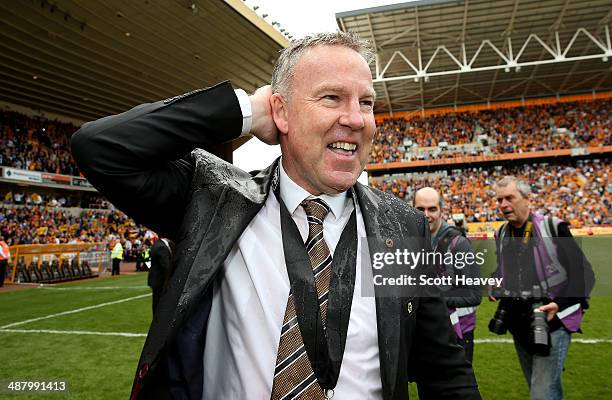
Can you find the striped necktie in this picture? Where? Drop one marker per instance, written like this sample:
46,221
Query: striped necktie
293,375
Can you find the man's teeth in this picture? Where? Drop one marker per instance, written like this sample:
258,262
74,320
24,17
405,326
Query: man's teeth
343,146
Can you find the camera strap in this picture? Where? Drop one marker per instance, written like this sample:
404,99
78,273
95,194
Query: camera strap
528,232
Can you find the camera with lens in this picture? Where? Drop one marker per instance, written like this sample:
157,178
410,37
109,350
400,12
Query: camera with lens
498,324
539,332
539,335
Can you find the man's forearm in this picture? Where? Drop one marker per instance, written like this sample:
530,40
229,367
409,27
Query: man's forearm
133,158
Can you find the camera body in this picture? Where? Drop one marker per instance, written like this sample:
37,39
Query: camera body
539,335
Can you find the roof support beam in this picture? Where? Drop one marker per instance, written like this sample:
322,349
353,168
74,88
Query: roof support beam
522,82
554,31
463,51
418,35
395,37
603,79
385,90
583,81
505,61
510,29
585,51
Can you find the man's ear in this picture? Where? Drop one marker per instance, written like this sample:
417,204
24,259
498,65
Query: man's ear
280,113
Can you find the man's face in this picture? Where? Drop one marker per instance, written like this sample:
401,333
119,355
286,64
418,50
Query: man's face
429,204
327,124
513,206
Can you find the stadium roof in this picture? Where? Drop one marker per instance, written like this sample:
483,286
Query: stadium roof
434,53
85,59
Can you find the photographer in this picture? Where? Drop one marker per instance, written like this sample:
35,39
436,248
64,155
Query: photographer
546,282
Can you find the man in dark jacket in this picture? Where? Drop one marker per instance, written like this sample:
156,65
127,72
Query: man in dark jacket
460,299
251,311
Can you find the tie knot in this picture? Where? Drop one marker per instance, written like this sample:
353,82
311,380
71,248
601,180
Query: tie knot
316,210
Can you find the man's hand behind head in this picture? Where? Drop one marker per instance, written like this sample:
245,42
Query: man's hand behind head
263,127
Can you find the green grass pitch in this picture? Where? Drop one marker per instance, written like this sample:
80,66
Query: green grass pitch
98,366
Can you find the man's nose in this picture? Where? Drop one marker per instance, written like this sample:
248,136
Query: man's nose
352,116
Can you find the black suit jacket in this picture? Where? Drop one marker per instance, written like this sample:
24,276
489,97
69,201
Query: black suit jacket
144,161
161,266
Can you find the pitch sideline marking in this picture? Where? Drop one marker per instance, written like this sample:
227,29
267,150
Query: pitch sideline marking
91,287
124,334
577,340
128,334
74,311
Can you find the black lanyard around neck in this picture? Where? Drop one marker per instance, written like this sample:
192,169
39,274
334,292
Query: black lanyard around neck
324,347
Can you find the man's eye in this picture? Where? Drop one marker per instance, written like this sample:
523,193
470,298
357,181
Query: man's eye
367,103
330,97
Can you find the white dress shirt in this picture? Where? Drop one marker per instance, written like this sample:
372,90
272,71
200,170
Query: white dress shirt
250,297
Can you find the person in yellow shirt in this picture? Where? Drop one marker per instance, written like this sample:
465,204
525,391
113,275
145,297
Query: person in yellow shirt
116,257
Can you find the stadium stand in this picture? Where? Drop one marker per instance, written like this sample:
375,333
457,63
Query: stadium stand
42,225
578,192
36,197
551,126
36,144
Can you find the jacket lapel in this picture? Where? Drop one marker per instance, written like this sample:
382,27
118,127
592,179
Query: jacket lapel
379,227
237,206
204,254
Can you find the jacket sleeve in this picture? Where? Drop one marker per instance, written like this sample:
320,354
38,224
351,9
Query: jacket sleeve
437,363
140,159
465,296
580,276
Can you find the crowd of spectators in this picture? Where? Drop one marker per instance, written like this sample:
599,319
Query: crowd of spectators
504,130
579,193
49,225
36,144
60,200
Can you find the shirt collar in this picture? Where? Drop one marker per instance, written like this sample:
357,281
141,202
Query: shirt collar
293,194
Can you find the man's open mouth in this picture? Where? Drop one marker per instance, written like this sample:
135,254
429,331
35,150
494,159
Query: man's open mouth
344,148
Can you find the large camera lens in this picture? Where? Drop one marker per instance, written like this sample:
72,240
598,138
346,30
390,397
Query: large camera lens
497,324
540,337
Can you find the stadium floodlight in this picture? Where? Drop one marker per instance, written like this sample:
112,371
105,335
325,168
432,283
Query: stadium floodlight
604,59
518,68
507,69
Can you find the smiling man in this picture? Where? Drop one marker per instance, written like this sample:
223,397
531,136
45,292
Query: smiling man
265,298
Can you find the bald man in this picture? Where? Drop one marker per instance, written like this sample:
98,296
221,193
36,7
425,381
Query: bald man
461,300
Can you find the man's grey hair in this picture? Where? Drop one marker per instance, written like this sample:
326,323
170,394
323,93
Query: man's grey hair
522,186
284,69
